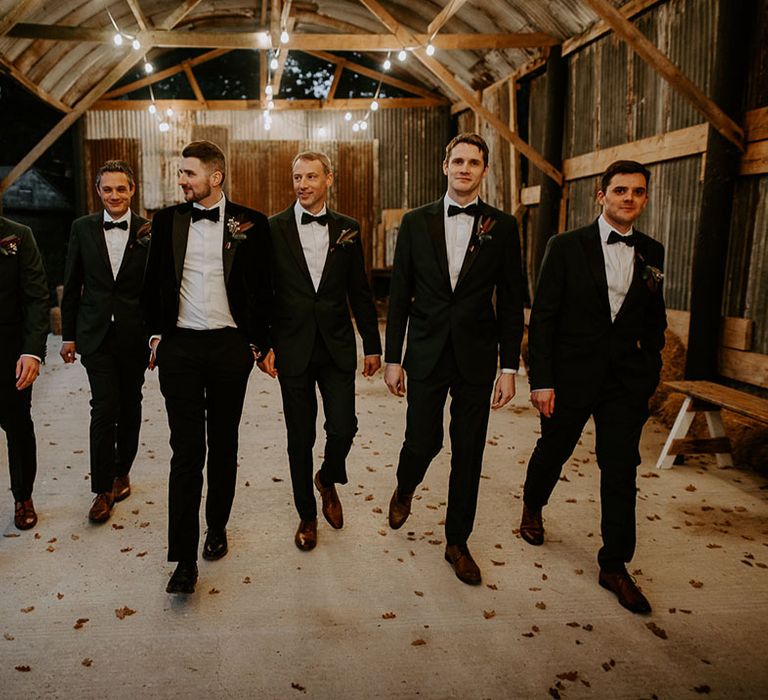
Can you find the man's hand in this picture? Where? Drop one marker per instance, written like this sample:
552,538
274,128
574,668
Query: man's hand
152,350
504,390
67,352
267,365
27,369
371,365
394,378
543,401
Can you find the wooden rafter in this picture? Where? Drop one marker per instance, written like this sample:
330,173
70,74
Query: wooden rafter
320,20
138,14
195,85
669,71
354,103
407,39
19,11
163,74
274,22
444,15
335,82
299,42
278,77
34,88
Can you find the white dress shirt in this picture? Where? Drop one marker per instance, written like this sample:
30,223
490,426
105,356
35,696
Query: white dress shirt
619,266
458,231
117,240
203,303
314,242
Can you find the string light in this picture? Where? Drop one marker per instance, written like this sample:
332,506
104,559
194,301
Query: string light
348,117
152,109
374,106
430,49
169,112
401,56
118,39
284,38
387,62
164,126
148,67
136,44
268,90
356,126
363,125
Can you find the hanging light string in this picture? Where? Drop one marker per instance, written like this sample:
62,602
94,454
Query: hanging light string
120,35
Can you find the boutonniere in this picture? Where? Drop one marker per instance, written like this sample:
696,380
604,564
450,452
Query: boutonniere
652,275
9,245
483,234
143,235
236,229
346,238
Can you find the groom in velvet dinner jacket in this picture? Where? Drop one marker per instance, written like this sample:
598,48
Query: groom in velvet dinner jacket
102,320
206,303
318,275
595,339
451,258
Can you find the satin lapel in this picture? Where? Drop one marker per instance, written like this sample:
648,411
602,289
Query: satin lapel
228,246
436,229
291,233
99,237
636,285
473,247
129,244
596,262
180,234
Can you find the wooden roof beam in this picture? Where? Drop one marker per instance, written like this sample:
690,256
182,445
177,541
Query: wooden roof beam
463,93
138,14
345,104
34,88
669,71
444,15
16,14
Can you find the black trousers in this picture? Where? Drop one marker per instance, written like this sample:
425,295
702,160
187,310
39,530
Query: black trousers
116,375
16,421
203,378
337,389
619,418
470,406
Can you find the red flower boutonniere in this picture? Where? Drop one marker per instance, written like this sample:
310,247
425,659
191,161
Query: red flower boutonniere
652,275
9,245
236,229
143,236
483,233
346,238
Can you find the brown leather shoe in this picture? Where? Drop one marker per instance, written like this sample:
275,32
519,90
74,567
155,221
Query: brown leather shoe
121,487
399,509
306,535
532,526
629,595
458,556
24,517
331,503
101,508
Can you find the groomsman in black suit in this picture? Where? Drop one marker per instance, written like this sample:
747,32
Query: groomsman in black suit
318,275
102,320
451,257
206,303
24,323
595,339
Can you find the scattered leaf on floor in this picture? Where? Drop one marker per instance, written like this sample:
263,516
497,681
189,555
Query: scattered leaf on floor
488,614
417,642
122,613
658,631
389,615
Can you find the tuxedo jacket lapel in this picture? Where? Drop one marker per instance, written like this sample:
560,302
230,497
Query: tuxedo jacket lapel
228,245
291,233
97,230
129,244
334,231
473,248
636,285
436,227
180,234
593,250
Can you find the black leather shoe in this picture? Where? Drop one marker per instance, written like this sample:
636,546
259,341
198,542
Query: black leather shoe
621,584
184,578
399,509
215,546
458,556
532,526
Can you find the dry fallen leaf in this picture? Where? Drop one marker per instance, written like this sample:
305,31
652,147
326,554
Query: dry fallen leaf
214,591
696,584
702,689
29,609
658,631
608,665
297,686
690,487
141,554
122,613
568,676
115,526
488,614
389,615
87,662
59,595
492,586
417,642
276,479
80,623
247,579
9,637
419,593
498,563
541,605
23,669
376,510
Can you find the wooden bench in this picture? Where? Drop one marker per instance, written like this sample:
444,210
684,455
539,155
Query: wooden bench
708,398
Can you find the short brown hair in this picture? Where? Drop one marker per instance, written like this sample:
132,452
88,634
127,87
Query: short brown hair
623,167
314,155
470,138
209,154
115,166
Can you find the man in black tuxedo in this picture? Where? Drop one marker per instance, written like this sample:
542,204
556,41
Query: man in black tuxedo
318,275
102,320
451,257
595,339
206,303
24,323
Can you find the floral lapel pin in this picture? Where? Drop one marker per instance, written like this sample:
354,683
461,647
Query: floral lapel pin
483,233
236,228
346,238
652,275
143,235
9,245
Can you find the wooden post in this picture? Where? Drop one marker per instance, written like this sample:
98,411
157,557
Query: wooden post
548,212
710,252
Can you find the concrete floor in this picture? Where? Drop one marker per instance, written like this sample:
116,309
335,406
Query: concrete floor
373,612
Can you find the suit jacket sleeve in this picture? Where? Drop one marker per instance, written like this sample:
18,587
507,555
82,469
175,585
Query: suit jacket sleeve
509,300
652,339
400,290
151,293
35,296
73,284
259,282
361,301
545,316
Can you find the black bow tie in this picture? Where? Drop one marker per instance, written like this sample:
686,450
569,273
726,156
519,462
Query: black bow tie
210,214
614,237
308,219
470,210
115,224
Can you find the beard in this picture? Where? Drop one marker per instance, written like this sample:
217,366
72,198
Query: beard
192,195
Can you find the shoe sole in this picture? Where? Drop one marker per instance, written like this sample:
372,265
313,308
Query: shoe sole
469,582
215,557
535,542
626,607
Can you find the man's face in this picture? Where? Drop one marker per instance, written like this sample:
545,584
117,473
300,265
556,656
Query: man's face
465,170
115,191
196,181
310,183
624,200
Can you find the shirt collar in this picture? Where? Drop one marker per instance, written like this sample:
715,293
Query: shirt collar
298,210
447,201
219,205
124,217
606,228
